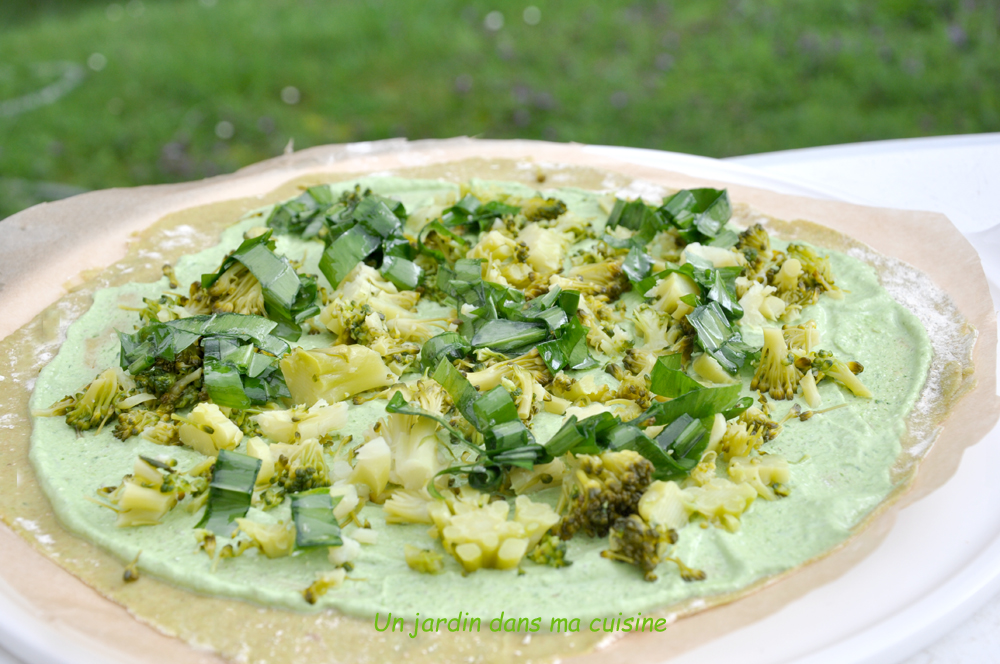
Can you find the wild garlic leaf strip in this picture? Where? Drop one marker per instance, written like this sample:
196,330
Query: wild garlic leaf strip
501,319
230,492
364,226
315,523
237,353
289,298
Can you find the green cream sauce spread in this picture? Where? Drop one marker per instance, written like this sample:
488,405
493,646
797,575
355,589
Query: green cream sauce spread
840,469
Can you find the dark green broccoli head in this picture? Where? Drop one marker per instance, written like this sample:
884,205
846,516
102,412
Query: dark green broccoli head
550,551
638,543
600,490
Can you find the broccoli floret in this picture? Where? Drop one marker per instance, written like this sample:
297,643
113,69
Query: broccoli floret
303,470
662,332
323,583
758,423
598,490
333,373
550,551
815,267
755,244
505,261
136,420
207,430
480,535
603,334
244,419
495,366
546,249
801,277
739,440
408,506
639,361
605,280
363,292
424,561
166,308
163,433
449,247
178,382
580,390
801,339
299,423
635,388
149,492
535,209
767,474
96,404
412,439
236,291
828,366
776,371
275,540
634,541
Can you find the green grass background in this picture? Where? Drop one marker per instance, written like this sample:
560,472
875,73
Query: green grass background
183,89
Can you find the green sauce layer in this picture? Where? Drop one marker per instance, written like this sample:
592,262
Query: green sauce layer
840,461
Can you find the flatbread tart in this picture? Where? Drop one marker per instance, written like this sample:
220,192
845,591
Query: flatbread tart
472,407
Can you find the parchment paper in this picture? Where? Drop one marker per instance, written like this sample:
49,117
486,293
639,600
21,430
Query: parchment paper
58,246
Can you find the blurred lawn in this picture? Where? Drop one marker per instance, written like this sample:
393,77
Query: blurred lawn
94,94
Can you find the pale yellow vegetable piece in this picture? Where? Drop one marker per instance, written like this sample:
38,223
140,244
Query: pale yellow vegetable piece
718,256
760,472
809,391
372,468
349,500
772,307
536,518
424,561
546,248
345,553
788,275
709,368
663,504
669,292
720,501
258,449
275,540
408,506
298,424
717,432
333,374
142,506
207,430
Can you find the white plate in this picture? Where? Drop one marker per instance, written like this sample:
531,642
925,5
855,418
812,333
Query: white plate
940,562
